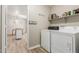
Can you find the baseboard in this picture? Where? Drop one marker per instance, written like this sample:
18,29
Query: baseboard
36,46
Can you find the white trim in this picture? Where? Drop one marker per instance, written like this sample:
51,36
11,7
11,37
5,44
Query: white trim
27,27
3,28
36,46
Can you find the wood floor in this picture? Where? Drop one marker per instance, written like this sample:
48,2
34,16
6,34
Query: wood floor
16,46
20,46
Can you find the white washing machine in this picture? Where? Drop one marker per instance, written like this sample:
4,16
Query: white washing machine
65,41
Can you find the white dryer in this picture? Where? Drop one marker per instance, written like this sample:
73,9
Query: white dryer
45,39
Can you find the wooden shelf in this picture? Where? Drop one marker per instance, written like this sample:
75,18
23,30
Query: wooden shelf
63,17
72,15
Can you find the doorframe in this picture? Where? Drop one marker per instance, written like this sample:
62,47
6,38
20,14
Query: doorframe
3,29
3,7
4,36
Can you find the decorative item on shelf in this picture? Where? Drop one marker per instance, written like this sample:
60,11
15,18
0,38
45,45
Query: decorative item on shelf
64,14
76,11
54,16
72,12
68,13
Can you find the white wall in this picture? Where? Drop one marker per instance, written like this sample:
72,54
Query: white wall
40,15
60,9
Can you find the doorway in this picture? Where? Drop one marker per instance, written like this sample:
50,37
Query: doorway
16,37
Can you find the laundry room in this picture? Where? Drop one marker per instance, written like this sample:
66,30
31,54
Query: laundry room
39,28
55,28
